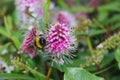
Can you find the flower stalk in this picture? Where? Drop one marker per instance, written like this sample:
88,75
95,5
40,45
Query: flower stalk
90,47
49,71
92,54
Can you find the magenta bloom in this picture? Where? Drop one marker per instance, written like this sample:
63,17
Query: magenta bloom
94,3
66,18
59,41
30,6
28,11
28,43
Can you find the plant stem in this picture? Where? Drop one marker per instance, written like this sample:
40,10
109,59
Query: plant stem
92,54
35,72
49,71
104,69
17,62
90,46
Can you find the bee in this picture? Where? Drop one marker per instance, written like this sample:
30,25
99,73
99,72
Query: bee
40,42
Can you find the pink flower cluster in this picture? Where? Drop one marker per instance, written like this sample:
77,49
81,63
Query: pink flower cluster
28,11
28,43
94,3
30,6
63,17
59,41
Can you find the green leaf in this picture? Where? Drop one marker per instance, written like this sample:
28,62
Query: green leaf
3,32
62,68
15,76
16,42
79,74
8,24
107,59
42,26
4,47
95,32
102,16
63,4
46,8
116,77
113,19
117,56
114,6
81,9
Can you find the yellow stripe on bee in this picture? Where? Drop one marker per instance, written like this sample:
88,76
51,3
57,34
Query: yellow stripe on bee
38,43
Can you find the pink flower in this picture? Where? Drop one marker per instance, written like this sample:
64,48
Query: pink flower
59,41
94,3
29,12
28,43
81,15
30,6
66,18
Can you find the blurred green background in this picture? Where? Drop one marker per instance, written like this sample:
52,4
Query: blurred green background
105,23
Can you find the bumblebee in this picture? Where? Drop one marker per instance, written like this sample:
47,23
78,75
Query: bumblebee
40,42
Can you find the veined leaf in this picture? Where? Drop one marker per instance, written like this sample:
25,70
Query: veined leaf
79,74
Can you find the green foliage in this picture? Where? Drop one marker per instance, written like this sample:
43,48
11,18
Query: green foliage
79,74
117,56
113,6
46,8
15,76
17,62
102,28
81,9
62,4
7,31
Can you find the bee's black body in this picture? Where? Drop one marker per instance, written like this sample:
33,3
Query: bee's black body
40,42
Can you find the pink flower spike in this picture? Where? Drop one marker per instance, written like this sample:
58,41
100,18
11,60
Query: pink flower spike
28,43
59,42
94,3
66,18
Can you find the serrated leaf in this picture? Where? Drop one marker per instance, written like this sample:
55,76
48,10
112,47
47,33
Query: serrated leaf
15,76
79,74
